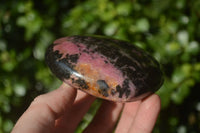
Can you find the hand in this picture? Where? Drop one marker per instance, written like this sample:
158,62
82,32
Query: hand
61,110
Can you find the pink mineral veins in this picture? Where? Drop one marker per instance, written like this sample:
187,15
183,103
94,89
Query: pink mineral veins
105,68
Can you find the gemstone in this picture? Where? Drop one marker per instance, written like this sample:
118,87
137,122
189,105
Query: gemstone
107,68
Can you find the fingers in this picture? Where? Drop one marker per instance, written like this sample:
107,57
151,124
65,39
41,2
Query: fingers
45,109
59,100
69,122
58,112
146,116
127,117
106,118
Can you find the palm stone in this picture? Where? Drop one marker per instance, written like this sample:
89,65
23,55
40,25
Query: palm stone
104,67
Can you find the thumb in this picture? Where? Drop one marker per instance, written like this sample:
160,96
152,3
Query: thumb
44,110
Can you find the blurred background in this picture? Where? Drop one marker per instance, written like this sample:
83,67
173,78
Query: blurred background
168,29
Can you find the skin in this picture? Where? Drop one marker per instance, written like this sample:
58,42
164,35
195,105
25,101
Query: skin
61,110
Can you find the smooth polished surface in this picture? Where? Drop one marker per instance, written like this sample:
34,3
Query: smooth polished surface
103,67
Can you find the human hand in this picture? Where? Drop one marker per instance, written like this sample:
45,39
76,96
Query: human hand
61,110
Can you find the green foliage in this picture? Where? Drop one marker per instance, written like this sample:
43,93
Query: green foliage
167,29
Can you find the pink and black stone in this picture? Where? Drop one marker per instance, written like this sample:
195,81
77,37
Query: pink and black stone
103,67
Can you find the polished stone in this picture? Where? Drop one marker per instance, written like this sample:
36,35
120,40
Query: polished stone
103,67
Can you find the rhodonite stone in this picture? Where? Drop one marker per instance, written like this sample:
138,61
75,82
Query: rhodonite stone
103,67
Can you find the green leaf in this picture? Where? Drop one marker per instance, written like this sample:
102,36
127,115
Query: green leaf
142,25
111,28
8,125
